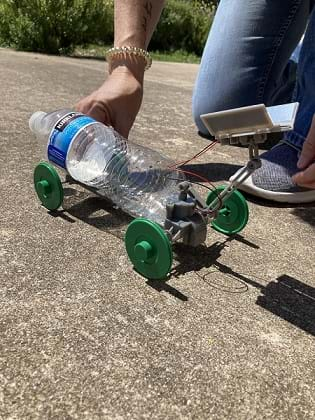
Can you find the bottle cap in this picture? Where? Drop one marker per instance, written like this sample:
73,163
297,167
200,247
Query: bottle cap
34,121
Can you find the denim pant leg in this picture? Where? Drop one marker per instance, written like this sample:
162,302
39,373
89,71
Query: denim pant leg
305,88
245,61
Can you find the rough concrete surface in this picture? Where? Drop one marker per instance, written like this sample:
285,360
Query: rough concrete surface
230,335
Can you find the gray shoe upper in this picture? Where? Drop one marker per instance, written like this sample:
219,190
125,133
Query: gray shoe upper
278,166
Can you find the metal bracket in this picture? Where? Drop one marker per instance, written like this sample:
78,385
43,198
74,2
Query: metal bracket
253,164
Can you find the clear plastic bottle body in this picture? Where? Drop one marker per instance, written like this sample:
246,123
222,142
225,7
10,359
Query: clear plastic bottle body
137,179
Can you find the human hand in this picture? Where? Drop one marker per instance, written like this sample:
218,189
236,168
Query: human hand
116,102
306,178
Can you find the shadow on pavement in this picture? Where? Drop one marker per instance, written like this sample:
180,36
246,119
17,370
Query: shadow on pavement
307,214
266,203
163,286
213,171
96,211
287,297
196,259
191,259
291,300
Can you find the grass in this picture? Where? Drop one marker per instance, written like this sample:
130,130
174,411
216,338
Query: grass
98,51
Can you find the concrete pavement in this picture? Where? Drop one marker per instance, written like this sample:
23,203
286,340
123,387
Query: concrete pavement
229,336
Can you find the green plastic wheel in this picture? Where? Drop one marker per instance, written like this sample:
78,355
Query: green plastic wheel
48,186
233,216
149,249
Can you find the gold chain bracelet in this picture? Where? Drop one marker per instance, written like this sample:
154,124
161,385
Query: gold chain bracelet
121,52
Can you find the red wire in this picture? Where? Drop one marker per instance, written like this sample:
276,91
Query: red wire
203,179
204,150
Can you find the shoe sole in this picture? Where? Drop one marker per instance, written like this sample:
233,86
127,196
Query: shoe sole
279,197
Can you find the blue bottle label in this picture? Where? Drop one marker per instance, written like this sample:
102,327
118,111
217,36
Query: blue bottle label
62,135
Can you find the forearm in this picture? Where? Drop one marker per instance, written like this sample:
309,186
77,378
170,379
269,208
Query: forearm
118,100
135,21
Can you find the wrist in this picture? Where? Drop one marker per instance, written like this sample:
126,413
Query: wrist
135,59
127,70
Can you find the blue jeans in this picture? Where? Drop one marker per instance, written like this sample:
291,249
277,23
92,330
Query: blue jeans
246,60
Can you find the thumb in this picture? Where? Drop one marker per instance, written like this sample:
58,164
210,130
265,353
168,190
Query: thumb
308,151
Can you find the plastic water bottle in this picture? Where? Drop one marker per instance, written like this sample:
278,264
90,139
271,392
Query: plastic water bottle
137,179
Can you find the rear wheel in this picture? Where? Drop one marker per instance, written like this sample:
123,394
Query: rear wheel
233,216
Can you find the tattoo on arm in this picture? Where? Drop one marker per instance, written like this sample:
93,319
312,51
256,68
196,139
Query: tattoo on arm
148,14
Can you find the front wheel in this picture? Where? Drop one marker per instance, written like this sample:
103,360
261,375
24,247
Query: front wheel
48,186
149,249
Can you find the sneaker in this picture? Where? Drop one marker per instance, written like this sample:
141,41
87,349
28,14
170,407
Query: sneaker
273,181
